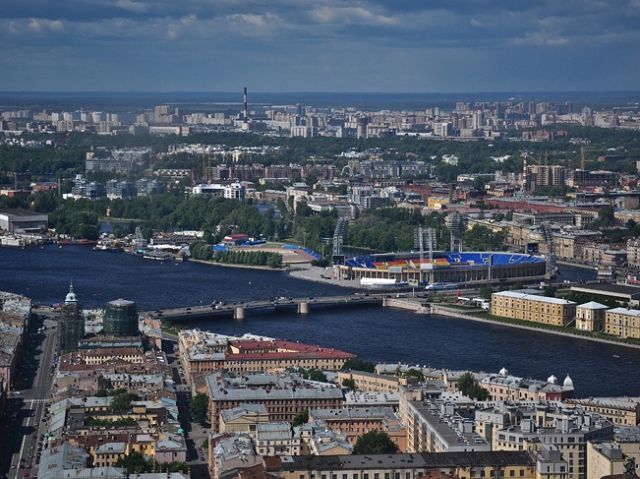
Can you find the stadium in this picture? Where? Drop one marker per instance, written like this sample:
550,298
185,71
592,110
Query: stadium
472,268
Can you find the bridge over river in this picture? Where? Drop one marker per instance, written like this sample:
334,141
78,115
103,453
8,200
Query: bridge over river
239,310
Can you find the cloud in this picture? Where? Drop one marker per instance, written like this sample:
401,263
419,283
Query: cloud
44,25
132,6
350,15
351,42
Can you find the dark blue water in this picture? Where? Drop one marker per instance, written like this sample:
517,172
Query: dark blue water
373,333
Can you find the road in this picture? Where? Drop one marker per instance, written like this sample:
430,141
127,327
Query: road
29,401
194,433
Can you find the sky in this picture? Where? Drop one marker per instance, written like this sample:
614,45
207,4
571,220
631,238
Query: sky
320,45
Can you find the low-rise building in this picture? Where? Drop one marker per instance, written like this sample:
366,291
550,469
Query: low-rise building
538,309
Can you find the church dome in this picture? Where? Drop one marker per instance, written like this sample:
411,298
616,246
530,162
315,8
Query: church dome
552,379
71,296
568,382
503,372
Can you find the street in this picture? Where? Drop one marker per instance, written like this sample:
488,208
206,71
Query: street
24,427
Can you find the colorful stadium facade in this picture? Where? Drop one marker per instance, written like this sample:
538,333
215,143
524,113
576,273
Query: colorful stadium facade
446,267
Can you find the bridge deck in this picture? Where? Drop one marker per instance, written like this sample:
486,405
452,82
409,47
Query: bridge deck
268,306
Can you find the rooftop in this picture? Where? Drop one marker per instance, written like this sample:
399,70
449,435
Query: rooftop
407,461
541,299
265,386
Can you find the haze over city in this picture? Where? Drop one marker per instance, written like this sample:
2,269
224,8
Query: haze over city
326,45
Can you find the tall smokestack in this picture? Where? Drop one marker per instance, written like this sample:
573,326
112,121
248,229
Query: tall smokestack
246,107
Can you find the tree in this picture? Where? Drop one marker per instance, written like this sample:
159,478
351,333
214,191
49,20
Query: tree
121,401
349,383
468,386
358,365
416,373
301,418
199,407
375,442
134,463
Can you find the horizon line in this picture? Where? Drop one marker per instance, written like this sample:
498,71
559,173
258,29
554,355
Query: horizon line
342,92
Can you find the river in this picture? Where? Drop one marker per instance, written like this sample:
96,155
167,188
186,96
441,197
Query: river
373,333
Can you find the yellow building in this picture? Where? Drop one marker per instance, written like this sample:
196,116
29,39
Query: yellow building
243,419
604,459
371,382
621,411
538,309
623,322
590,316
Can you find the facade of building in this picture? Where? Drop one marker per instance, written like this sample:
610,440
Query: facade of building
623,322
590,316
538,309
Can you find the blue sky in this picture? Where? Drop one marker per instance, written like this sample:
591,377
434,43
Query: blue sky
320,45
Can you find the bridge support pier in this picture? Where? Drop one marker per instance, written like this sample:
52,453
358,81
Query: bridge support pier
238,312
303,308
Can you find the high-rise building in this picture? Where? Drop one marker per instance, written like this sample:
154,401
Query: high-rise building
121,318
71,328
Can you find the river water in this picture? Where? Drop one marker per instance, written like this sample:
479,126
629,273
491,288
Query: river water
374,334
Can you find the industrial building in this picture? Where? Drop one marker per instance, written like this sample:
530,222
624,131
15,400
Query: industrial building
18,220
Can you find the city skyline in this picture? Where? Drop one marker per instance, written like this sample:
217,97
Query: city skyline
372,46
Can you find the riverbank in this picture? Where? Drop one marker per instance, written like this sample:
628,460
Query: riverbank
237,266
318,274
456,313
